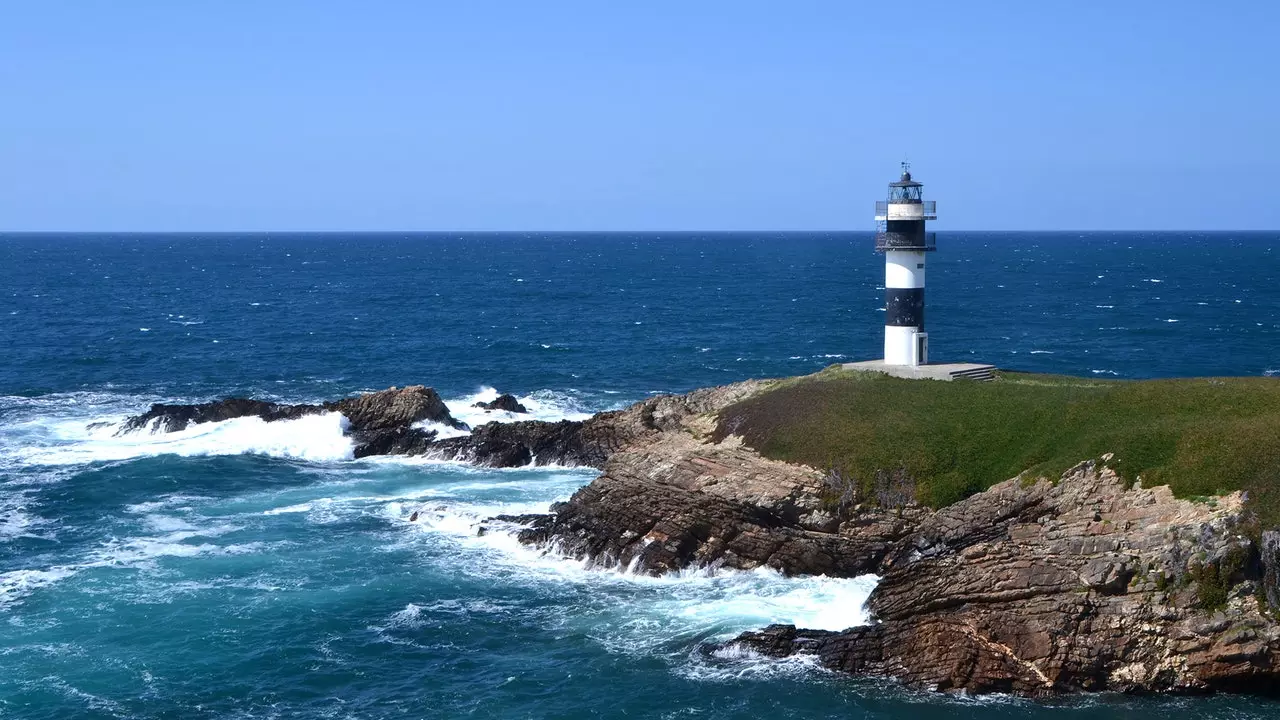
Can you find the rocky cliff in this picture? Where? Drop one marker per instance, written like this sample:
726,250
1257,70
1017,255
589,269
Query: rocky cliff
1078,584
1036,588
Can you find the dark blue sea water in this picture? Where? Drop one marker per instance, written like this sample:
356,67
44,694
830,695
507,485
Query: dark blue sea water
246,570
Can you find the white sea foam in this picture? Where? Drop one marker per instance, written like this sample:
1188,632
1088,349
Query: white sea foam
725,601
299,508
15,519
442,431
317,438
547,405
625,612
636,614
139,552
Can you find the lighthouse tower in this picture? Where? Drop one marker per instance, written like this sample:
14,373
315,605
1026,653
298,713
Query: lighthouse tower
901,236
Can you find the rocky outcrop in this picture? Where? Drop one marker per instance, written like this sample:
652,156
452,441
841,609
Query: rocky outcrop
504,402
174,418
675,502
379,422
395,408
587,443
388,422
1077,585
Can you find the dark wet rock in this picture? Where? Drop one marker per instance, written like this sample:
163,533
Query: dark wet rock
392,441
379,423
174,418
382,423
529,442
1270,558
395,408
777,641
588,443
506,402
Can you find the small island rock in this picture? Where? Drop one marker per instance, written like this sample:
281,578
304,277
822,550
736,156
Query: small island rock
505,401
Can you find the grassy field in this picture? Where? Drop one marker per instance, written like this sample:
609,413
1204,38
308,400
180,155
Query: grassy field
1201,436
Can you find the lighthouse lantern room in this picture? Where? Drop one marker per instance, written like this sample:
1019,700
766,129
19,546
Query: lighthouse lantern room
901,236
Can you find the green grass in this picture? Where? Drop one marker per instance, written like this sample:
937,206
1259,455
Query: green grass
1203,437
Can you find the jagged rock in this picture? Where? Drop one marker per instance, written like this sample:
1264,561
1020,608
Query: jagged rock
173,418
379,423
395,408
668,499
382,410
1020,589
506,402
401,440
1270,558
522,443
587,443
675,502
780,641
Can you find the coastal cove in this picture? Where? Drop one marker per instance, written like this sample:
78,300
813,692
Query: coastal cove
323,562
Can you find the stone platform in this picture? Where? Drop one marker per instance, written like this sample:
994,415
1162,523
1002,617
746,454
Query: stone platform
932,371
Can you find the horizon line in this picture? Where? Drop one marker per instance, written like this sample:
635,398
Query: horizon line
4,232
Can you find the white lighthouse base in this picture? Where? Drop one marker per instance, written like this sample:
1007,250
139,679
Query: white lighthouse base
940,371
905,346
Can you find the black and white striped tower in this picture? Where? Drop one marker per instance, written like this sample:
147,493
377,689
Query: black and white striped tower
902,238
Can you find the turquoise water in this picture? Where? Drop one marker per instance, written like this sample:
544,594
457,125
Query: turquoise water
245,570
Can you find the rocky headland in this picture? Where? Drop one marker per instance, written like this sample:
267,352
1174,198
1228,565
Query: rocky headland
1043,584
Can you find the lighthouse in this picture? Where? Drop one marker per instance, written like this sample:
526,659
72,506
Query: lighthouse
901,236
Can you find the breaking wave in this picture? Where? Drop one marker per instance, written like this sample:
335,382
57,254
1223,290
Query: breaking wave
316,438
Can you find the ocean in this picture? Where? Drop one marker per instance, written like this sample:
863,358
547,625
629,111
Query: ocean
252,570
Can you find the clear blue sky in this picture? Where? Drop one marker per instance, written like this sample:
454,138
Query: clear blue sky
160,115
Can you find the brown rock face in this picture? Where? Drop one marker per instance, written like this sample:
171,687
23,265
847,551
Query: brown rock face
393,408
675,502
588,443
1079,585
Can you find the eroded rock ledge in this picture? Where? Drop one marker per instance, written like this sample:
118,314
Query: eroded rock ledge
1078,585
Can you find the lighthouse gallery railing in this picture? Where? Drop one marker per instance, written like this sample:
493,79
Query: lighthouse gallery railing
929,210
900,241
